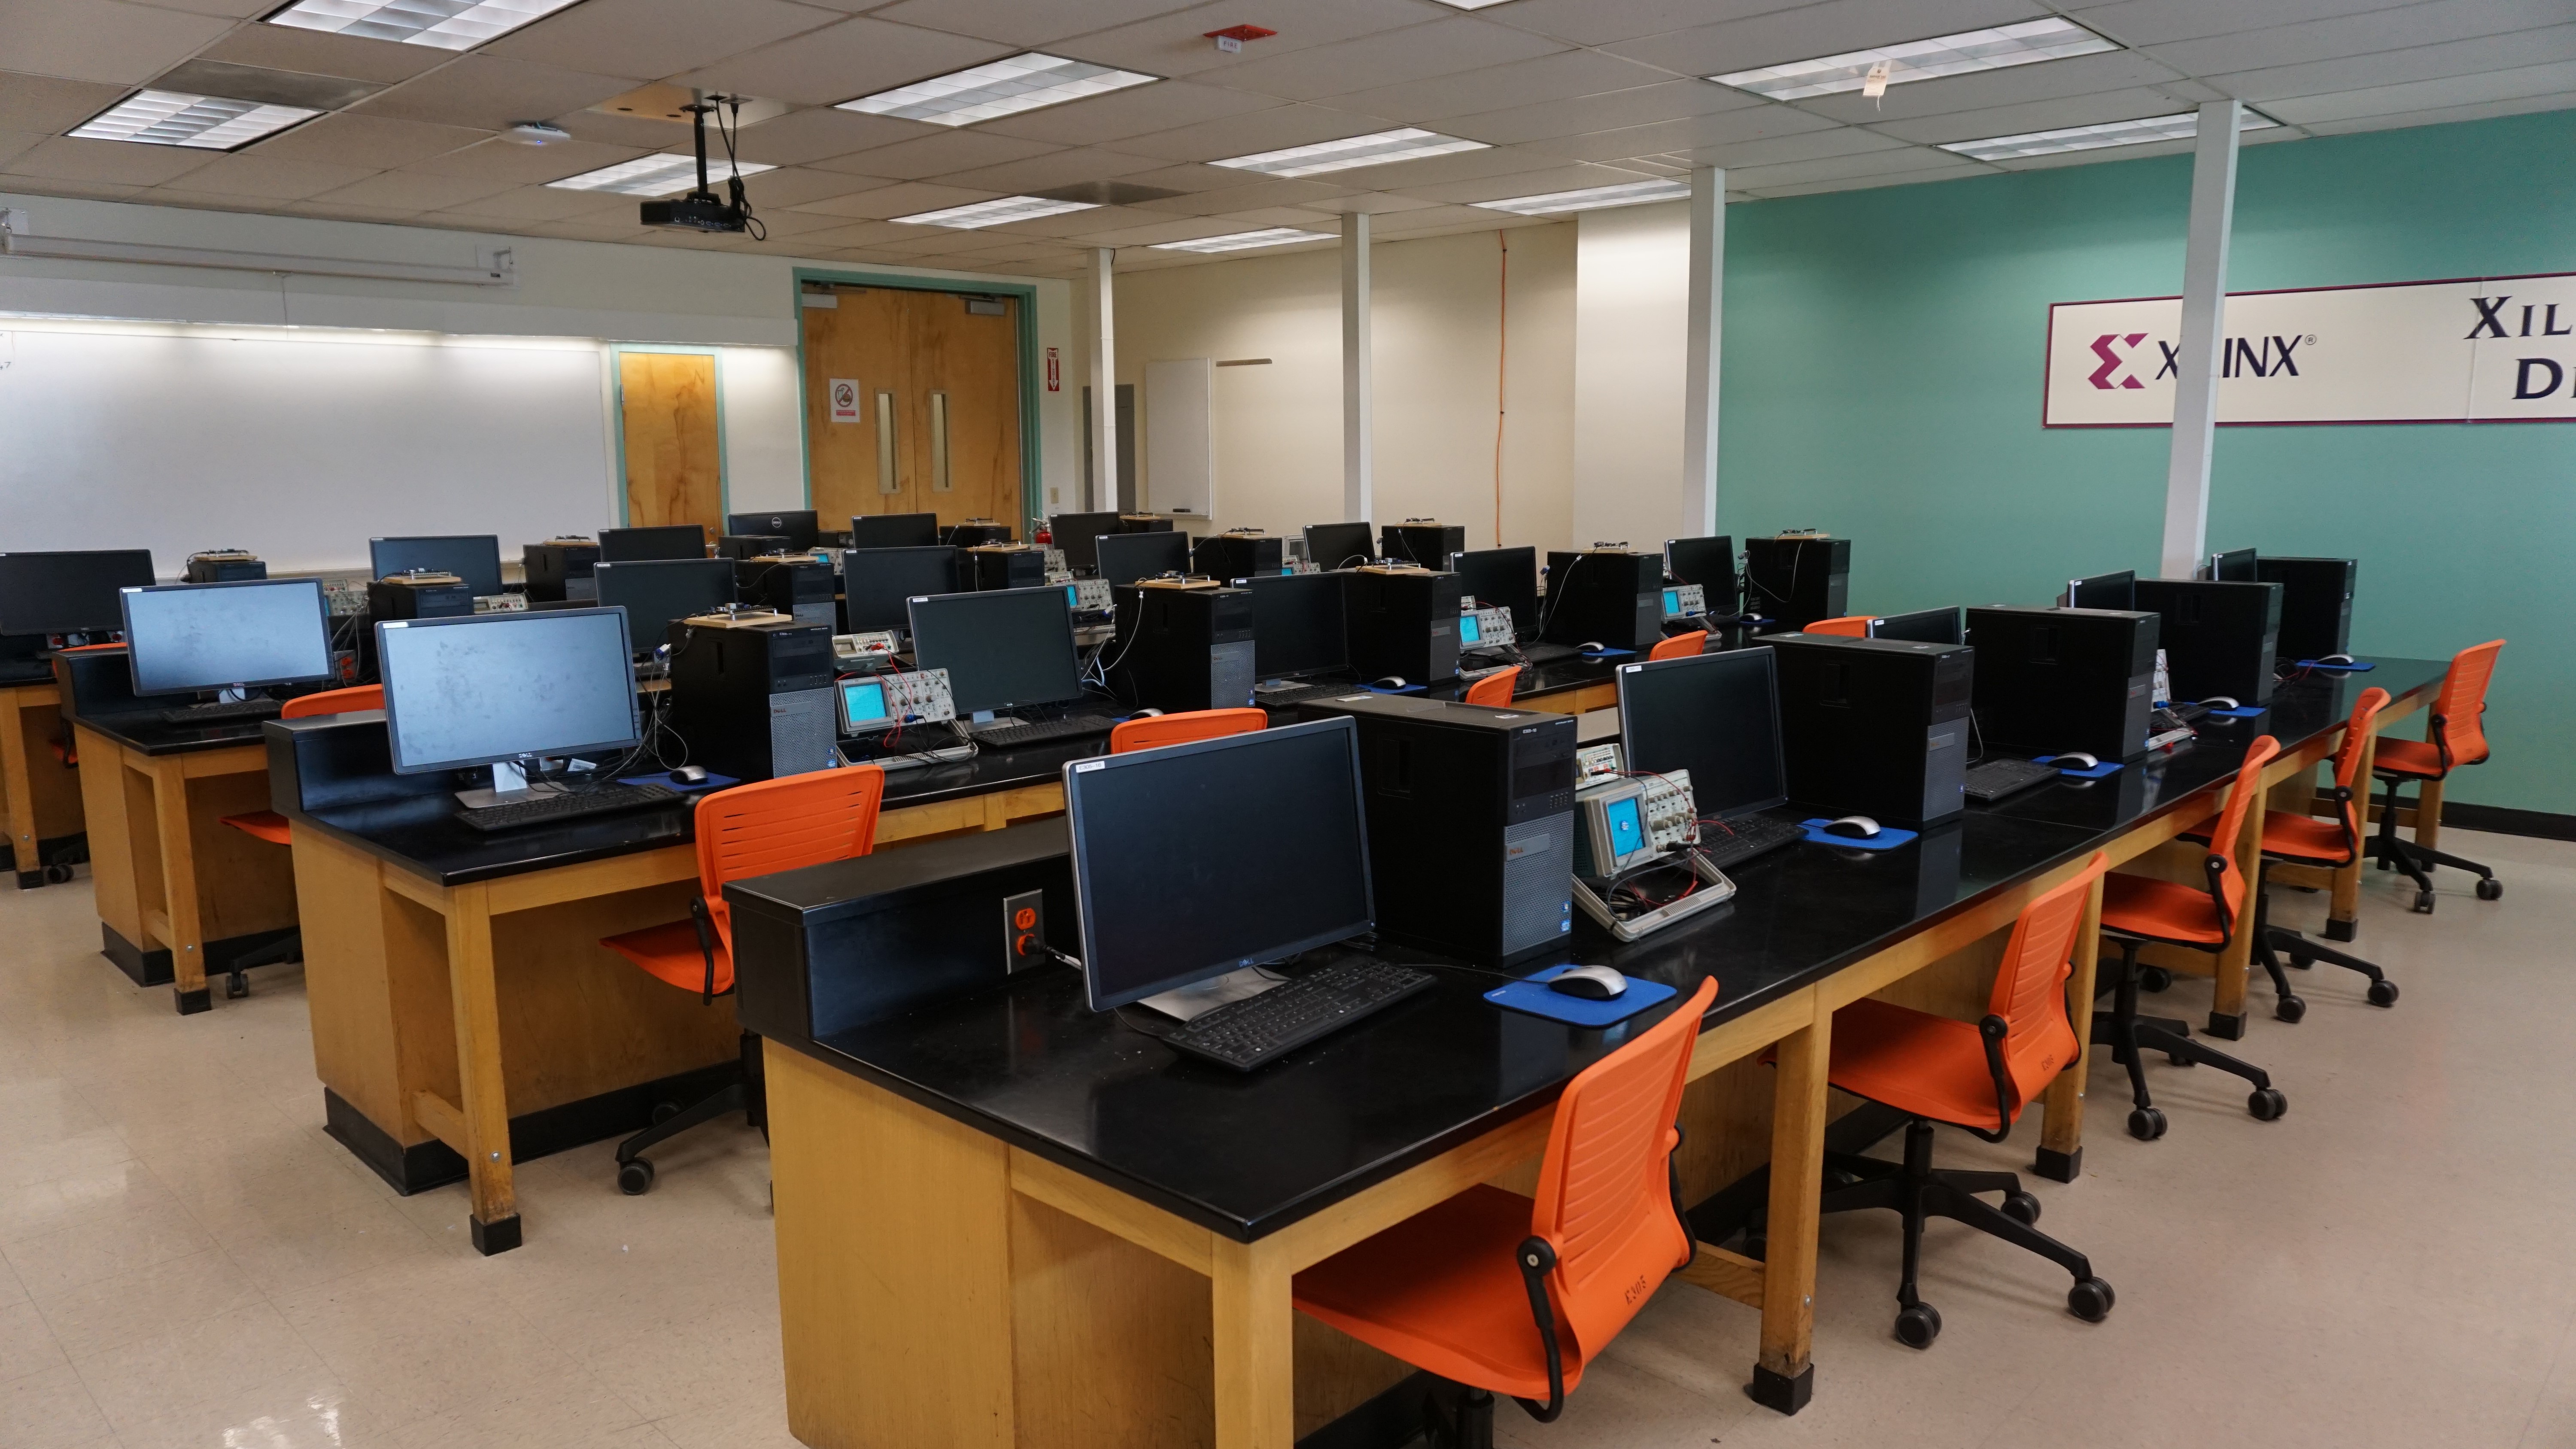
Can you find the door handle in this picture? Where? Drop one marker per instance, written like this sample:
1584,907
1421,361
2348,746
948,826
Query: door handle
889,476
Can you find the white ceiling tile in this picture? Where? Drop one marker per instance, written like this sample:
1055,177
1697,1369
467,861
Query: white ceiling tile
414,190
2399,67
499,160
254,174
894,199
100,40
1375,203
1758,179
2484,110
1561,76
2428,95
1253,132
1255,196
110,163
1752,123
1865,183
1443,47
1809,31
937,155
1644,105
1176,44
2134,103
649,39
1025,22
544,203
18,182
1057,168
2081,75
1545,182
798,185
1134,111
1805,146
493,93
377,143
227,9
2153,22
1456,166
1599,22
2398,29
344,211
854,58
49,105
322,52
802,137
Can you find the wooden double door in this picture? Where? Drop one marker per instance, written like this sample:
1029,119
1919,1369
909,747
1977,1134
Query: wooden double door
912,403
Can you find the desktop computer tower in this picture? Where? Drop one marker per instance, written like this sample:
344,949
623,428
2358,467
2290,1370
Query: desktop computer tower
796,584
1606,596
223,566
1470,823
419,596
559,568
1875,727
1002,566
1797,578
1402,621
1182,645
752,695
2052,681
1238,555
2316,603
2219,638
752,545
975,533
1421,541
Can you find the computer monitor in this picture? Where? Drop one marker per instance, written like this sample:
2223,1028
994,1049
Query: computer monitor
1162,907
1127,557
1002,648
1340,545
894,530
182,638
473,557
484,689
1502,578
2103,591
2236,566
1297,624
1709,562
69,593
877,583
796,525
1077,534
648,545
1923,626
654,592
1715,715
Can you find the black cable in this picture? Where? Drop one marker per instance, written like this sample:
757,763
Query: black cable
734,191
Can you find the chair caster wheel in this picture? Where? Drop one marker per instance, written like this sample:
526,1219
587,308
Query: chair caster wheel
635,1178
2302,961
2022,1208
2090,1299
2423,903
664,1112
2154,978
2182,1059
236,986
2383,992
2267,1104
2147,1124
1917,1326
2290,1008
58,874
2490,889
1757,1247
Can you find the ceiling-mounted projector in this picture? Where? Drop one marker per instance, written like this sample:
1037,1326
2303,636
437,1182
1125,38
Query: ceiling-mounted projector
701,209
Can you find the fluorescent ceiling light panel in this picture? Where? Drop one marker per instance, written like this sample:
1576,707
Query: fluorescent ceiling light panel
998,88
1235,241
995,212
2181,127
1593,198
664,175
1470,4
446,24
174,118
2029,42
1379,148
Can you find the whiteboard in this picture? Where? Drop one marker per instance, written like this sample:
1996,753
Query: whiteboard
1180,436
299,450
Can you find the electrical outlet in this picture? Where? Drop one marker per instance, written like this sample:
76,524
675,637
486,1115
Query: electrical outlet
1024,931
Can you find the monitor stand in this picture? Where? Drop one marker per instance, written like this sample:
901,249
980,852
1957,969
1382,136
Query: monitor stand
1187,1003
509,786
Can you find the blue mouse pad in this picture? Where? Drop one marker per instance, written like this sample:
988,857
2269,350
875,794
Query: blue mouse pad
1887,838
2260,709
1408,689
1530,994
1606,653
2337,668
663,778
2111,767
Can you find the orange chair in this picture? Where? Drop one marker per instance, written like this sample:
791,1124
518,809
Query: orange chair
2456,736
2136,910
1495,689
1854,626
1501,1294
270,826
1981,1077
749,830
1680,646
1180,729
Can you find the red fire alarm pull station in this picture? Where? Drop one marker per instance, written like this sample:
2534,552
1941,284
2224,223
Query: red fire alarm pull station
1231,39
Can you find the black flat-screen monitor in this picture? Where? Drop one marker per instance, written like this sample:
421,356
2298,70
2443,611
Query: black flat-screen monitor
69,593
894,530
1002,648
1078,534
182,638
1708,561
1297,624
473,557
1923,626
1502,578
2102,591
1340,545
1162,907
649,545
877,583
2236,566
654,592
1715,715
485,688
1127,557
796,525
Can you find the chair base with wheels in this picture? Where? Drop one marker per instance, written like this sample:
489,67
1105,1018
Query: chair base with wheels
2128,1035
2417,861
2455,737
2271,942
745,1094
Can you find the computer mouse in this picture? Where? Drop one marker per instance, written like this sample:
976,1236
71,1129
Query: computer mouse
1590,646
1146,713
1592,983
1857,827
2222,701
2078,760
689,775
1392,681
2338,659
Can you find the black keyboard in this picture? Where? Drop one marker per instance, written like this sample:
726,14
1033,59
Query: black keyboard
1745,837
1244,1034
551,809
221,712
1034,732
1995,779
1300,693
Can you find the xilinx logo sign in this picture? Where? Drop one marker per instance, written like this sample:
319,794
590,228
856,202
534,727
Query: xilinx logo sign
2237,357
2113,349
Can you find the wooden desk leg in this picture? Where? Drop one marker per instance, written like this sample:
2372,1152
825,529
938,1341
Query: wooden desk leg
2061,1138
2234,964
2428,815
187,943
1783,1377
495,1220
17,783
1255,1331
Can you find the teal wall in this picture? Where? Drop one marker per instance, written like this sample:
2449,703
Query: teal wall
1882,381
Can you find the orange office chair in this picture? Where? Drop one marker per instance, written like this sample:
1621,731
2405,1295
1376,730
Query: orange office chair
1935,1069
270,826
2136,910
1495,689
2456,736
1180,729
1855,626
749,830
1680,646
1501,1294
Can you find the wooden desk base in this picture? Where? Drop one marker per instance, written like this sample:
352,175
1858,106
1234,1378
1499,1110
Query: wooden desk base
39,794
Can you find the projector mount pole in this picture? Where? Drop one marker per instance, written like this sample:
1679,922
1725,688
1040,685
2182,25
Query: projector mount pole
698,108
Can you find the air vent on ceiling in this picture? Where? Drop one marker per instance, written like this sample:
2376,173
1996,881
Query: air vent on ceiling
266,86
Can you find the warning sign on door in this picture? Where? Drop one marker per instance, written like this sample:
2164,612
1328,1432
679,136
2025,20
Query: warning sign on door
845,399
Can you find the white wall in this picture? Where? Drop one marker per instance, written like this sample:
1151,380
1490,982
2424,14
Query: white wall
1632,271
763,414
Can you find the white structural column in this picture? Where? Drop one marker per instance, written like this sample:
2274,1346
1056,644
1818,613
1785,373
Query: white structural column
1359,486
2204,332
1699,384
1104,383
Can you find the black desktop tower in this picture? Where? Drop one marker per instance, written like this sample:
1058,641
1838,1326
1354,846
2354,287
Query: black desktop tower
559,568
752,545
1238,555
1421,541
1797,578
1470,823
1875,727
1002,566
419,596
2052,681
752,695
796,584
2316,603
1182,645
223,566
1402,621
2219,638
976,532
1608,596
